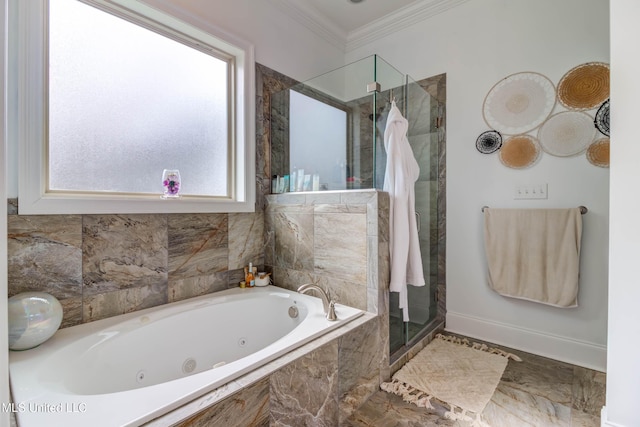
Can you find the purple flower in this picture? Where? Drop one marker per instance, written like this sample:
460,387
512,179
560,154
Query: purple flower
172,186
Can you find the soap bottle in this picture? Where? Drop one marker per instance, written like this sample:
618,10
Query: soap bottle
250,279
293,180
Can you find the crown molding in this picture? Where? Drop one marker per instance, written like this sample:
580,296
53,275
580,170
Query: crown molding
313,21
402,18
319,24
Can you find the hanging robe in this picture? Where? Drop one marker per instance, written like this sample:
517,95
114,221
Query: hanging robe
399,181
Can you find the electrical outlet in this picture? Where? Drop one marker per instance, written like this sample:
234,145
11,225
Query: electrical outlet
538,191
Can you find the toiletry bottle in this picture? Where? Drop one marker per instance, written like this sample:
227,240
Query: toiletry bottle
300,183
250,278
293,180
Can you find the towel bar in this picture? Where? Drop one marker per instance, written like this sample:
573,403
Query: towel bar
583,209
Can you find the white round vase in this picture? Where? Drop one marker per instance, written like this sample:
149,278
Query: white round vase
33,318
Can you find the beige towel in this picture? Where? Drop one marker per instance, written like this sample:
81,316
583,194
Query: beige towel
534,254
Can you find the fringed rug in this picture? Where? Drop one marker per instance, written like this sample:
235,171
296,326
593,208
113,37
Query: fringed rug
458,373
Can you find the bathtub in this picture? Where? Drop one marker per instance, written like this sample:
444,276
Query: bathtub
129,369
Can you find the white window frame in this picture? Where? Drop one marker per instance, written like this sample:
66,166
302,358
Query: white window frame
30,83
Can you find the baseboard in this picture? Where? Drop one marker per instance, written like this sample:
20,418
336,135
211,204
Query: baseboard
604,421
555,347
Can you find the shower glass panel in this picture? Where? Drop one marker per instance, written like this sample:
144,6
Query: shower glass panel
342,151
332,129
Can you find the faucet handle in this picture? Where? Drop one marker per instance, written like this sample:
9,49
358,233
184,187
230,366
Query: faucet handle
331,312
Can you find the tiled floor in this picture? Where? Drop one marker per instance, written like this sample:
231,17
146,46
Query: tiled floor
536,392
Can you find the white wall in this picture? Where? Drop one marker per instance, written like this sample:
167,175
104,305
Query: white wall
476,45
623,372
280,42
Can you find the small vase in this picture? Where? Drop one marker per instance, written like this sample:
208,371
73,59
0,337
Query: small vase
33,318
171,183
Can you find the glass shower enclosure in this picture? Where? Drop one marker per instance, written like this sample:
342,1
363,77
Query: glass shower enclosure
327,133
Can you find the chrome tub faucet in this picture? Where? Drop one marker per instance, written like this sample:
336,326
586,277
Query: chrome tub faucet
329,305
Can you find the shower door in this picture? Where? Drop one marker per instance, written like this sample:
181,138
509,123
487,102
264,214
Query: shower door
422,112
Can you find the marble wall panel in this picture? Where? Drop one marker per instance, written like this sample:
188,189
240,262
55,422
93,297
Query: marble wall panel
45,254
345,244
123,251
340,246
199,285
358,197
291,279
359,367
247,408
269,239
268,83
343,291
305,392
120,301
294,240
419,111
246,239
198,245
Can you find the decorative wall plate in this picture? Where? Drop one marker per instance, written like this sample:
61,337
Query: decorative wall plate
519,152
584,87
519,103
598,153
567,133
489,142
602,118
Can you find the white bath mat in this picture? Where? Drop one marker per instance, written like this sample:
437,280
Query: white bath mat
454,371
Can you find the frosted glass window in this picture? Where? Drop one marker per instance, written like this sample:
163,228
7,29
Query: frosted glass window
126,102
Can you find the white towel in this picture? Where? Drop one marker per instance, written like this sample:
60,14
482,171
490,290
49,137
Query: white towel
401,174
534,254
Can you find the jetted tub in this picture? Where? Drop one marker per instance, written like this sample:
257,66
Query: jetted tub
129,369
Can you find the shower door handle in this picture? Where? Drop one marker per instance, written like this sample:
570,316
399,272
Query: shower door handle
418,220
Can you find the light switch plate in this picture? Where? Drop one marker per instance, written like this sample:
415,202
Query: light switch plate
537,191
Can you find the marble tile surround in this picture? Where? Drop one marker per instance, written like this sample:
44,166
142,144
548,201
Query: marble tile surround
335,239
105,265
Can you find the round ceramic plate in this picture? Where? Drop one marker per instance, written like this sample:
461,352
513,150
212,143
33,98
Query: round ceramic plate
519,103
602,118
598,153
567,133
519,152
584,87
489,142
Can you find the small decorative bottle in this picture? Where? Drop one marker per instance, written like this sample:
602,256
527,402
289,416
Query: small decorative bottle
250,279
171,183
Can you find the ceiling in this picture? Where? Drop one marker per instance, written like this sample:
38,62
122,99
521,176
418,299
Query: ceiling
349,25
351,16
